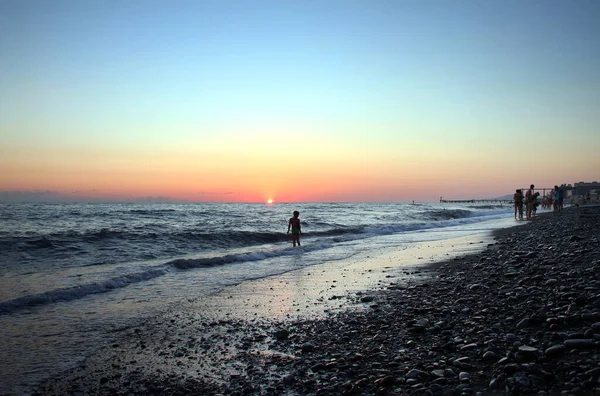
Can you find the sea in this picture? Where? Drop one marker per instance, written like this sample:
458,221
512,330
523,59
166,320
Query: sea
70,274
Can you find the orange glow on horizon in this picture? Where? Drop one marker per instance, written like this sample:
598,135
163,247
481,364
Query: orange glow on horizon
328,172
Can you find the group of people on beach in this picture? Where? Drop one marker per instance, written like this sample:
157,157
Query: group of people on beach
530,201
585,199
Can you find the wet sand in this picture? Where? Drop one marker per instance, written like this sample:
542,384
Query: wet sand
315,291
518,315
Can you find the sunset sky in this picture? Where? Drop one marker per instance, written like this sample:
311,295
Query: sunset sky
297,100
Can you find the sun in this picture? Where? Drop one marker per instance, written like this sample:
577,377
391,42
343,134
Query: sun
270,200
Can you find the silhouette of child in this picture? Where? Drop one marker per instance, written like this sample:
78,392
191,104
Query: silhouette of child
294,224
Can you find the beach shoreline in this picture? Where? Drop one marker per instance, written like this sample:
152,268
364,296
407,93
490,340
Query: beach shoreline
439,327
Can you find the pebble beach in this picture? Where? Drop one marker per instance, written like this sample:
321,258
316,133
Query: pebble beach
520,317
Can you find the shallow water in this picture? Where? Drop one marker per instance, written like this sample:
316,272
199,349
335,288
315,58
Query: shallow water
73,274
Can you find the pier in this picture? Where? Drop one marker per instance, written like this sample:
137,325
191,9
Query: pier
499,201
541,190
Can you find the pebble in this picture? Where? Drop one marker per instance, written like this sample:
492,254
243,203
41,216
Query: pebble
468,347
438,373
510,337
282,334
555,351
523,323
581,344
307,347
414,373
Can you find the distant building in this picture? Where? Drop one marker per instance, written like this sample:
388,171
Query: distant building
582,188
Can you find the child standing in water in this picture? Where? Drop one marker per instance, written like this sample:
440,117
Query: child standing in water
294,224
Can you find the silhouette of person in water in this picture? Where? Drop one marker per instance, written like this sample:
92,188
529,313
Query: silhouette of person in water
294,224
529,201
518,201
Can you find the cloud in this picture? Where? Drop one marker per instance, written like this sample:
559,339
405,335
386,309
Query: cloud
49,196
157,199
31,196
209,194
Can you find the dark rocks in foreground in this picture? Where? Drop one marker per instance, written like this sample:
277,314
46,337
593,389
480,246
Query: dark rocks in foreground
521,318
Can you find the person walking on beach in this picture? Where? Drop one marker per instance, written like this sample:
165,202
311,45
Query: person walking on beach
529,200
535,204
294,224
561,199
558,198
518,200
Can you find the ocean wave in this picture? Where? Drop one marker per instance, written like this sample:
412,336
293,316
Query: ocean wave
40,243
190,238
73,293
260,254
149,211
184,264
80,291
99,235
487,207
157,241
237,238
447,214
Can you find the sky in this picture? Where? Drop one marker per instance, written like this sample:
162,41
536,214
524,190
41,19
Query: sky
297,101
